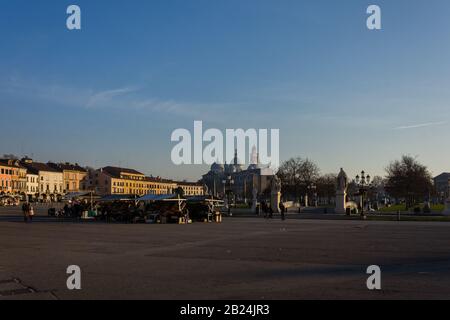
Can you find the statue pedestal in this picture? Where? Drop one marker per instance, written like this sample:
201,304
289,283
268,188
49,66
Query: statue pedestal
275,200
340,202
447,208
254,200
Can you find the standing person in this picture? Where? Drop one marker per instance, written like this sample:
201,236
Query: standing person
264,208
25,211
283,211
270,212
30,212
66,210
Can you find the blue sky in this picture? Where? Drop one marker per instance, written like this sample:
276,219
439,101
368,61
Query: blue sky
112,93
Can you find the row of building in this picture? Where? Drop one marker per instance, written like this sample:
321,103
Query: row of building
245,183
51,181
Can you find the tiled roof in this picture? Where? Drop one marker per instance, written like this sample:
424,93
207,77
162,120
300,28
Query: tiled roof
115,171
37,166
67,166
5,163
161,180
193,184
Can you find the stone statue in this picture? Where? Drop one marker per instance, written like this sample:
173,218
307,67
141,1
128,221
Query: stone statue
276,194
342,181
276,184
255,194
255,199
341,192
206,190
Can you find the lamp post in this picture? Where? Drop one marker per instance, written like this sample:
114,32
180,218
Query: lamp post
245,190
363,183
311,187
228,183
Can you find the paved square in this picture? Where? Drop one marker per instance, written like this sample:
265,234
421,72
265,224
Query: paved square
243,258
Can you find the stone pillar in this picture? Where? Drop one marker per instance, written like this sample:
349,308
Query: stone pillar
255,199
341,196
275,201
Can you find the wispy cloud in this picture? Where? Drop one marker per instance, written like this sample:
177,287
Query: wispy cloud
101,98
126,98
421,125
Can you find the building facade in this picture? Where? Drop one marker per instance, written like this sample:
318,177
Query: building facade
124,181
159,185
22,179
74,176
191,188
32,184
13,177
442,184
241,182
6,175
51,181
117,181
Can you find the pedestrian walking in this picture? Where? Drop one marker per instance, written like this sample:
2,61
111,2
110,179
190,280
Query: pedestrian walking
25,211
263,209
30,212
283,211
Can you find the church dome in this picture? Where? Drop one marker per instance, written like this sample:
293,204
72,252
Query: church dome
253,166
216,167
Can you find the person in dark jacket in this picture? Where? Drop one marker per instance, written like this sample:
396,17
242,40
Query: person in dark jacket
283,211
25,211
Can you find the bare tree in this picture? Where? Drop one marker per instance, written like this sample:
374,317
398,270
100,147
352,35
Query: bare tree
408,179
326,186
377,187
10,157
297,175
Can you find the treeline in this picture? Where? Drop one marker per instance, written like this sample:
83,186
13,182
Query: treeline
405,180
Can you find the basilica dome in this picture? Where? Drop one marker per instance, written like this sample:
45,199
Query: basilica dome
216,167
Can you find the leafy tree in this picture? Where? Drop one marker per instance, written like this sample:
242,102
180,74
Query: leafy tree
408,179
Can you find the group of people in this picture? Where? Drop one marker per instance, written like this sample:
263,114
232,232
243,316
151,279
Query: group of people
74,209
268,211
28,212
